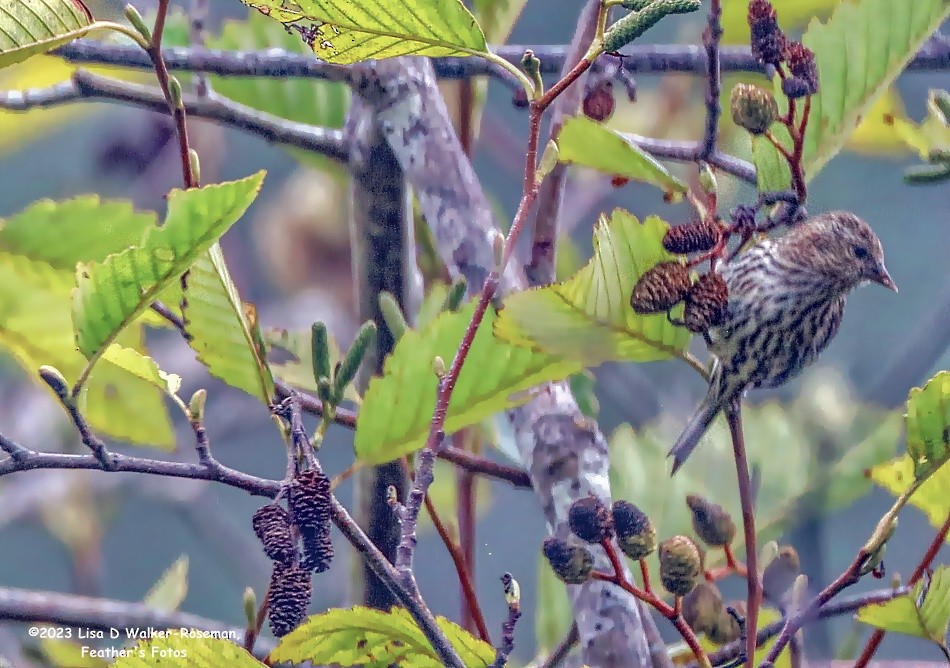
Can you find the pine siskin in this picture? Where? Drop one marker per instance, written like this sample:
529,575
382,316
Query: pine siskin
786,300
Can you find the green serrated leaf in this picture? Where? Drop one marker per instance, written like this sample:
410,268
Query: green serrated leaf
310,101
860,51
588,317
361,636
220,331
35,325
31,27
177,651
589,144
928,424
397,406
82,229
344,32
141,366
171,589
923,613
109,295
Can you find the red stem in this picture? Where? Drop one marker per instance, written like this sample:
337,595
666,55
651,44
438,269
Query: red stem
875,640
530,193
465,580
465,517
178,112
671,612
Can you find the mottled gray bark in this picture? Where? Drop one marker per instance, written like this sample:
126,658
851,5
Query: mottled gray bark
381,240
565,453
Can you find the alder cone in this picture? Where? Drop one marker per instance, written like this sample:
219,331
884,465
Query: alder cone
661,288
272,526
680,565
691,238
317,550
288,598
310,500
707,303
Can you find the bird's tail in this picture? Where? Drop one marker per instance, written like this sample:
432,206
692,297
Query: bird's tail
698,424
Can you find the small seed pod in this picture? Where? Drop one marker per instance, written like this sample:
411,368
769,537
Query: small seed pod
310,501
288,598
711,522
801,65
795,87
571,563
680,565
591,520
317,550
599,101
660,288
707,303
691,238
636,534
702,607
779,576
753,107
727,628
767,39
272,526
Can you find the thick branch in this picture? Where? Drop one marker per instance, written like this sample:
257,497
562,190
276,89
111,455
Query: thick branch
86,87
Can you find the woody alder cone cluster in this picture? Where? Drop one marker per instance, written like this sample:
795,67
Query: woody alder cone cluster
277,529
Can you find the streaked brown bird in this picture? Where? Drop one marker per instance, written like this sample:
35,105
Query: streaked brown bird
786,300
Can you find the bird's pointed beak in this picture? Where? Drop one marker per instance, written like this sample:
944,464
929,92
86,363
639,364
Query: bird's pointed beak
882,277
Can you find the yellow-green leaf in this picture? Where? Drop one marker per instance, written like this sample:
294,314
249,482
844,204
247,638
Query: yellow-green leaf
177,651
346,32
82,229
111,294
897,475
142,366
860,51
219,330
361,636
588,317
35,328
32,27
923,613
67,654
171,589
588,144
928,424
397,406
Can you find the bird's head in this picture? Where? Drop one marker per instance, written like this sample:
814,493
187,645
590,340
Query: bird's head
842,247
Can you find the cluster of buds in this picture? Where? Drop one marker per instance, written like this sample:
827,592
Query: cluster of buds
594,523
771,46
278,529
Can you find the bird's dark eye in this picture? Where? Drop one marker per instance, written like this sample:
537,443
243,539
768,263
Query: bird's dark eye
860,252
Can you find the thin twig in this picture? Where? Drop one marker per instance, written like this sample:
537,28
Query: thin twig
712,36
513,596
925,561
568,642
845,606
754,586
85,87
